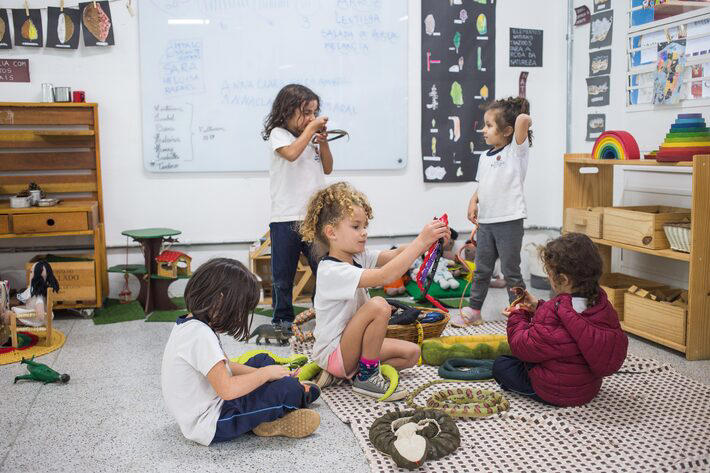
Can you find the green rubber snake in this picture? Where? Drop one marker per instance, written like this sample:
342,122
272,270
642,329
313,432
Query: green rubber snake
461,402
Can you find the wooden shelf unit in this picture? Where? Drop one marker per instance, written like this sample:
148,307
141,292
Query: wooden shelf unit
596,190
55,145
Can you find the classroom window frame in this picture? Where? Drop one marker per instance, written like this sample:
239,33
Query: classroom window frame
640,75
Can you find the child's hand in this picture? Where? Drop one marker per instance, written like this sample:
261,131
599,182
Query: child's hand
317,125
473,210
432,231
274,372
321,137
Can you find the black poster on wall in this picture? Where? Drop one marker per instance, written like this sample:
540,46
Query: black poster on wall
63,28
96,25
525,48
458,76
5,41
596,125
600,62
28,28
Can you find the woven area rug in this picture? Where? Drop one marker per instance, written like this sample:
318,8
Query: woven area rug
649,418
12,355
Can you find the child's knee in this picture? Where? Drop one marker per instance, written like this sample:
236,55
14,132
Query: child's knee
381,307
414,354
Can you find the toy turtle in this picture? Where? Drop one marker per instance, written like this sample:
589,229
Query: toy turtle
41,372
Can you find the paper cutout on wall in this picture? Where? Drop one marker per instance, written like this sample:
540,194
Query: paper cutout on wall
669,72
600,33
457,76
96,23
601,5
598,91
5,41
600,63
63,28
28,29
583,14
596,125
522,83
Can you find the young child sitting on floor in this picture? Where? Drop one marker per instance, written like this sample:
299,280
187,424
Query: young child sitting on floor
562,348
351,327
211,398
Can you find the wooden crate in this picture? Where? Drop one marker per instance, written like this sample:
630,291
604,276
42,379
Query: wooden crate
4,224
76,275
587,221
642,225
660,322
616,284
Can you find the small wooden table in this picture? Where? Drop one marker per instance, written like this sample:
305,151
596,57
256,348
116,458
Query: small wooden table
154,289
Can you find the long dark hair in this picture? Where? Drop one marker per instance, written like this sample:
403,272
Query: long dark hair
577,257
222,293
290,98
39,284
507,111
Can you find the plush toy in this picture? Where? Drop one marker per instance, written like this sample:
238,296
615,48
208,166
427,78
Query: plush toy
41,372
35,296
443,276
395,288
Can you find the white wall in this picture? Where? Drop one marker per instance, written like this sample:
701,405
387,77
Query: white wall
402,202
632,185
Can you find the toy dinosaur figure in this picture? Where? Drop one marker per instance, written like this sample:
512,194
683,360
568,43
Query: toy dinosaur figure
268,331
41,372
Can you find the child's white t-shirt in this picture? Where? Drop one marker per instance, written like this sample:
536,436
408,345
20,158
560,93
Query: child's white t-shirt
337,299
292,182
500,183
191,352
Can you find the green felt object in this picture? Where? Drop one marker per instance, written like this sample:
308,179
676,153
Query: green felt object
137,269
113,311
437,292
144,233
63,259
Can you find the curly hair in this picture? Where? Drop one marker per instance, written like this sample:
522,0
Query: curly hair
508,111
290,98
328,207
577,257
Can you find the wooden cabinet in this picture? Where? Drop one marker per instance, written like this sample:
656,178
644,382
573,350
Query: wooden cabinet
56,146
689,331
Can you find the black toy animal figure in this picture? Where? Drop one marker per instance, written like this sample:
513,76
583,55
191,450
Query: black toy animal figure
268,331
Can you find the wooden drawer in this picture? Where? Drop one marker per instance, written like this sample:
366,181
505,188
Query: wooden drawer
50,222
4,224
587,221
641,226
658,321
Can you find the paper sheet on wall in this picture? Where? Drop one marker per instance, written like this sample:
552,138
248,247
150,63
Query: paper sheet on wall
596,125
669,72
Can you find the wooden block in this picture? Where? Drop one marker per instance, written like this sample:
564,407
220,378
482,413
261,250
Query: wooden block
633,289
642,293
641,225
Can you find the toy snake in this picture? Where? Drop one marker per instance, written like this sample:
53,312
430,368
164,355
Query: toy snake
461,402
425,275
337,134
479,369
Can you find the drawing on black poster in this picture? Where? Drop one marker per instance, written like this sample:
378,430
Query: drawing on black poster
598,91
5,41
96,23
28,28
596,125
525,48
600,62
601,30
601,5
458,64
62,28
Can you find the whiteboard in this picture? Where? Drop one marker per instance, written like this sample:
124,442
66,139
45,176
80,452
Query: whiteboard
210,70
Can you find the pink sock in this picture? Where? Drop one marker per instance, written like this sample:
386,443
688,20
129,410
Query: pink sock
369,363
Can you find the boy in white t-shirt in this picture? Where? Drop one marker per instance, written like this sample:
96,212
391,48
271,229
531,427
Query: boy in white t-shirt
300,158
498,206
212,398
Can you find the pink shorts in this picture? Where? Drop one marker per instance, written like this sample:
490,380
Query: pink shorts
336,366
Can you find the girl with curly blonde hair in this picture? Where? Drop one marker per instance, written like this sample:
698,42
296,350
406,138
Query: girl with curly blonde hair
351,326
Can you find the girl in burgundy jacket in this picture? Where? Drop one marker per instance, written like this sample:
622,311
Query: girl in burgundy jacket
562,348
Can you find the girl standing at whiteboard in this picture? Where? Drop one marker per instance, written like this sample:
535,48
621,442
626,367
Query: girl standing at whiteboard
498,205
300,159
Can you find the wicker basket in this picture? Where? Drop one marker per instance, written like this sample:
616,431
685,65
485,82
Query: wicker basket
678,235
417,333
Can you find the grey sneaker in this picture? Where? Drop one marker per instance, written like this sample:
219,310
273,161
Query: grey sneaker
375,386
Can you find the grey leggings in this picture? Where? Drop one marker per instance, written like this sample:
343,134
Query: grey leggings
504,240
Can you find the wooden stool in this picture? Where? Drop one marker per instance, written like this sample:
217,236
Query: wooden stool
28,315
